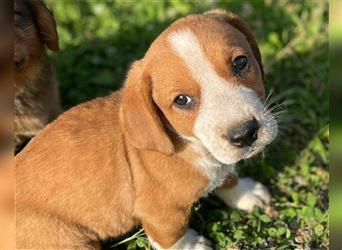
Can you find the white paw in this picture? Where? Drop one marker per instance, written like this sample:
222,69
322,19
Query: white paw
245,195
192,241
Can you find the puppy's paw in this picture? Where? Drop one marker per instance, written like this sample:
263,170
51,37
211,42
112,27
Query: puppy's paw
245,195
192,240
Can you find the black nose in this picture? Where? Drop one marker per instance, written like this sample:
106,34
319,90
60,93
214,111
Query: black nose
244,134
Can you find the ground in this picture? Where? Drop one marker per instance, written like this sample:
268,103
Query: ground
99,40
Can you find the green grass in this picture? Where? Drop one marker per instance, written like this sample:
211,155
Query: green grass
99,39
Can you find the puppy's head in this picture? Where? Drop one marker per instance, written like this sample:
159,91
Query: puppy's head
203,79
34,28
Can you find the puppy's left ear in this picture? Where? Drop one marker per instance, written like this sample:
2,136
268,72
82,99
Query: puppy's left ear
45,23
240,24
139,117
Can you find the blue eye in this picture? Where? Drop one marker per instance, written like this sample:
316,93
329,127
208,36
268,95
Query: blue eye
239,64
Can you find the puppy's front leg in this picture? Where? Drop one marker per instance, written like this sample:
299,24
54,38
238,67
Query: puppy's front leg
190,240
166,232
244,194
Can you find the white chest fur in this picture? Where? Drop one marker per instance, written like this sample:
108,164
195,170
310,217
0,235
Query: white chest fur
217,174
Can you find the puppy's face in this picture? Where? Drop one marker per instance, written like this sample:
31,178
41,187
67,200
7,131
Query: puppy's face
205,77
34,28
208,83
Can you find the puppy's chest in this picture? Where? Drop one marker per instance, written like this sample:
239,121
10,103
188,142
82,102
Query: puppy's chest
216,173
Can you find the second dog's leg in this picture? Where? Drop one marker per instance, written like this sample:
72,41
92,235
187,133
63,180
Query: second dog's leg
245,194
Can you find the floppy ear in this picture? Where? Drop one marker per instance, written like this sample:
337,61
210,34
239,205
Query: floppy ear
138,114
45,23
242,26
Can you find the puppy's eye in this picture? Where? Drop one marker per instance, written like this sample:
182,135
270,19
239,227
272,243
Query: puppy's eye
183,101
239,64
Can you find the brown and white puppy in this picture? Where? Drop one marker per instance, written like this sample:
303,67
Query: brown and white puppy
36,94
189,110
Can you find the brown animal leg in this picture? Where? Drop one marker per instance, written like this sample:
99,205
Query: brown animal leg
167,229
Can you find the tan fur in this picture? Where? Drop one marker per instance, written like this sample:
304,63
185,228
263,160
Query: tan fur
7,222
108,165
232,38
36,94
240,24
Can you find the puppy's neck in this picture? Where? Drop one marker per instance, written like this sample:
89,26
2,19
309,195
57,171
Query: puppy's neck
192,151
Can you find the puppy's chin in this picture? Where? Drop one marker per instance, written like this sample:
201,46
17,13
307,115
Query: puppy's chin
252,152
225,154
232,157
224,157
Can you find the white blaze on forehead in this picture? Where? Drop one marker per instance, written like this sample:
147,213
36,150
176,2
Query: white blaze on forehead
222,103
216,92
187,46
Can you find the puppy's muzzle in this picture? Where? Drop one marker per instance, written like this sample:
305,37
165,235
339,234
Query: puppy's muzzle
244,134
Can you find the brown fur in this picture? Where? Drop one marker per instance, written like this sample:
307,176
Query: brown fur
36,94
240,24
7,222
116,162
7,229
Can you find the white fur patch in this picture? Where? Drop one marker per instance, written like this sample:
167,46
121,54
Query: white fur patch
216,172
245,195
191,240
223,104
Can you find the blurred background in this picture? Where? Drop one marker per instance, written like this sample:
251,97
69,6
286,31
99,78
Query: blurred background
99,40
335,190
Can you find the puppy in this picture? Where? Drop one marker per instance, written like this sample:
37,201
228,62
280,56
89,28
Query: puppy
36,95
188,112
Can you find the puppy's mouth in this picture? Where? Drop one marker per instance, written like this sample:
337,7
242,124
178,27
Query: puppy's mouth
253,151
222,152
235,154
